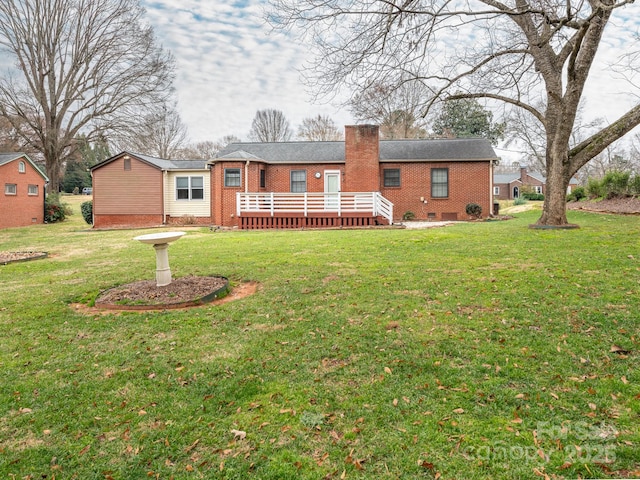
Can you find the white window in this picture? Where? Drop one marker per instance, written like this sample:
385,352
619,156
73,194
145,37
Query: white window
298,181
232,177
538,189
33,190
22,167
496,190
10,189
439,182
189,188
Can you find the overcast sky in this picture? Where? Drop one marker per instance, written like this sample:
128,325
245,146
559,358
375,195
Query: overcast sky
230,64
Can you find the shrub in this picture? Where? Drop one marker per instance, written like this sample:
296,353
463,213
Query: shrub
616,184
576,194
634,185
54,209
474,210
408,215
520,201
87,211
533,196
595,188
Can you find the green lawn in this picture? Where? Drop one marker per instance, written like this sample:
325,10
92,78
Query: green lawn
475,351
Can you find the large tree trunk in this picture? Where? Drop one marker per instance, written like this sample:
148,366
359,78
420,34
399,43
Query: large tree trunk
554,211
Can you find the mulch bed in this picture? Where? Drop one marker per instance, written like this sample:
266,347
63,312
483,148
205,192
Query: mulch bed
10,257
181,292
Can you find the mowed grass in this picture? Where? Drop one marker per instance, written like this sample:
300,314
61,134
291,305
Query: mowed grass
479,350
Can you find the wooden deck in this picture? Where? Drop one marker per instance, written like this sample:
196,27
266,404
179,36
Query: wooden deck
312,210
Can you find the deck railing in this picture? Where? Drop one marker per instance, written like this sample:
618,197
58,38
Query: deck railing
308,204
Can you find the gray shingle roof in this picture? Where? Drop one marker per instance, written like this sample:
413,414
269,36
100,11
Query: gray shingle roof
515,176
390,150
161,163
9,157
506,177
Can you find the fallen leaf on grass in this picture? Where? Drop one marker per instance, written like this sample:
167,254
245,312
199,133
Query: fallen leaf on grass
84,450
459,410
619,350
238,434
192,446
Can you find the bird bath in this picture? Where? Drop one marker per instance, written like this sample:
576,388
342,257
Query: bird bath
160,242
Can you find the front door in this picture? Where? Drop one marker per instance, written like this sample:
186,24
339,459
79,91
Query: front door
331,189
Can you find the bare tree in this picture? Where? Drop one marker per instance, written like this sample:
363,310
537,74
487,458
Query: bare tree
160,134
82,66
522,51
395,109
270,126
207,149
319,129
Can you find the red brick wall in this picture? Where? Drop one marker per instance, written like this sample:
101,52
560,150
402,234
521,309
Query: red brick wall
277,179
126,221
279,176
362,156
22,209
223,199
469,182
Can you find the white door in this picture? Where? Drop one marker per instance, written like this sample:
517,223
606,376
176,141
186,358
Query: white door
331,189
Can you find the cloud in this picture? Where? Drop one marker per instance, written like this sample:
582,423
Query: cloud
230,64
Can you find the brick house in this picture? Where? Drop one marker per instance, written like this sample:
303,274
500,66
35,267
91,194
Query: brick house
360,181
509,186
23,184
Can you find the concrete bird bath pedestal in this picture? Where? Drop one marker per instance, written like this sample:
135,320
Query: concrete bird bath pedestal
160,242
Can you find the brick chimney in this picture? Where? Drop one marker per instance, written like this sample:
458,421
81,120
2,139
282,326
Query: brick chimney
362,158
524,177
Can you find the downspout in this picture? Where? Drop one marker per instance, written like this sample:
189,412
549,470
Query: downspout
164,200
246,177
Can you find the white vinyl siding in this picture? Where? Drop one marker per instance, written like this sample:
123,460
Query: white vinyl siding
190,197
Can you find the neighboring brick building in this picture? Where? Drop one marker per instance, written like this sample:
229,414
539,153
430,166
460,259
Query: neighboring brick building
359,181
509,186
23,191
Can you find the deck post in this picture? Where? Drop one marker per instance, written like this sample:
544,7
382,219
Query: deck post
272,204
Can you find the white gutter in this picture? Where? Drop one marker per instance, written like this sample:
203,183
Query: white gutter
246,177
164,197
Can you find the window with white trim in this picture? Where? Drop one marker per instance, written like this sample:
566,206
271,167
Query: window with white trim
496,190
232,177
10,189
189,188
298,181
538,189
32,190
439,182
22,167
